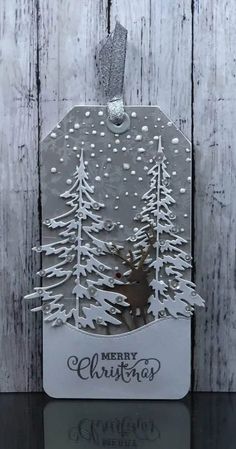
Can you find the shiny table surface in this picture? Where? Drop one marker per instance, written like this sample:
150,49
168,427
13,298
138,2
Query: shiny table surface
34,421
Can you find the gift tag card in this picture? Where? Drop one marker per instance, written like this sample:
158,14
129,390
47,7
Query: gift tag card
116,256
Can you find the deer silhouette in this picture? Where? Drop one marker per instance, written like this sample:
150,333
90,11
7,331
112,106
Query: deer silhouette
137,289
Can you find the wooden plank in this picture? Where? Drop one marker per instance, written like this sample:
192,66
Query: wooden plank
214,135
20,334
158,63
69,34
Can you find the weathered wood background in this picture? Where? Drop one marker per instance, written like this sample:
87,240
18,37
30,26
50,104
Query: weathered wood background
181,56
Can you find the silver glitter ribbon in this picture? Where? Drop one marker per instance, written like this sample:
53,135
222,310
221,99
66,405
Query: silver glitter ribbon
112,66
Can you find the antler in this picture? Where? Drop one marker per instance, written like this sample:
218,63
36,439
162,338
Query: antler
144,254
117,252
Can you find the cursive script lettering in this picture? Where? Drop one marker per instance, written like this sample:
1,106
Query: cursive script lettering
144,369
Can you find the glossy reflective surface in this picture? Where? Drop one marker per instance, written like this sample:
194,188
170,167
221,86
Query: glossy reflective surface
203,420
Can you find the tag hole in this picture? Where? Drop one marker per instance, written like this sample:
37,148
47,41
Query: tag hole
119,129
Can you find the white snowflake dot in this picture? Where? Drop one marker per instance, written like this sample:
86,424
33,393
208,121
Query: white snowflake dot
94,131
126,193
69,181
98,178
92,154
145,128
53,170
173,173
106,175
133,172
133,114
140,178
126,166
76,125
128,136
141,150
100,113
123,148
117,141
139,158
102,134
66,137
175,140
53,135
114,150
156,137
108,159
71,130
61,159
92,145
138,137
87,113
182,190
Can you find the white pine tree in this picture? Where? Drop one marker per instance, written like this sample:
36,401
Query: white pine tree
172,294
78,244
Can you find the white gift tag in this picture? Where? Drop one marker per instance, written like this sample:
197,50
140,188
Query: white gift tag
116,292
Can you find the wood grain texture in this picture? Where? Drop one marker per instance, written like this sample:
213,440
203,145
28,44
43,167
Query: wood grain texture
214,111
69,32
158,63
20,330
47,65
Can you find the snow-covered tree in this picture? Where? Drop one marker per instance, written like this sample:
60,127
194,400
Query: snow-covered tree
172,293
80,255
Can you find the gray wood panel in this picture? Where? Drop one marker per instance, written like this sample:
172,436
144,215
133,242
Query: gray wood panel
214,114
181,57
20,330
